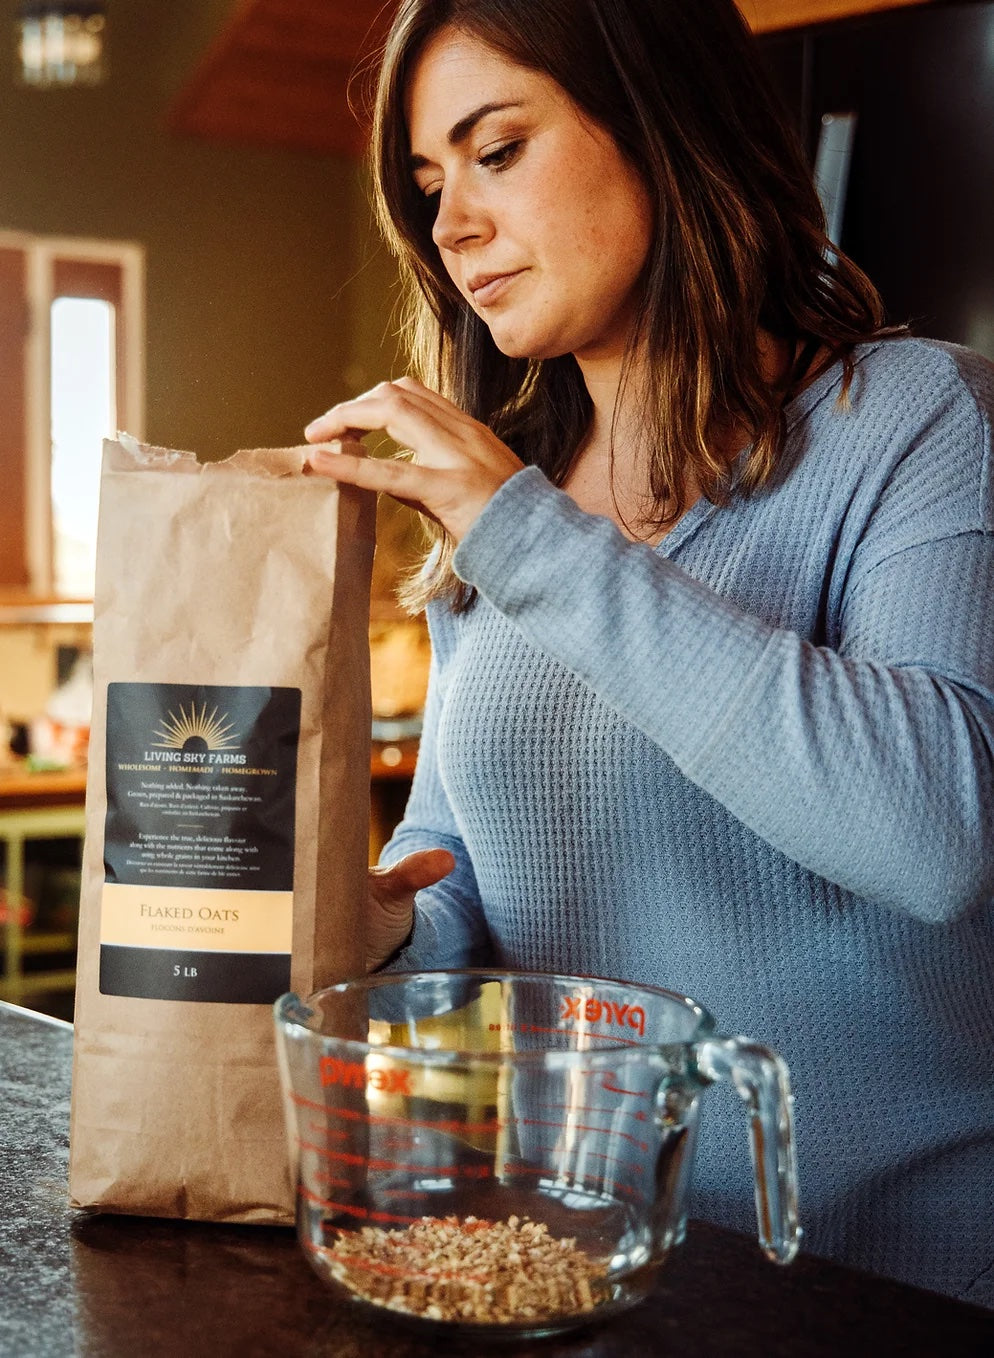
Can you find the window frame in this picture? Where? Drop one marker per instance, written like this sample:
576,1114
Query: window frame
69,266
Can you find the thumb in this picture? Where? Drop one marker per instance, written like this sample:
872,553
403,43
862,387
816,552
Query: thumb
423,868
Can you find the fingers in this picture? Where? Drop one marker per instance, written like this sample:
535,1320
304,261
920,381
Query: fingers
384,405
416,388
390,406
391,893
410,874
456,465
441,436
403,480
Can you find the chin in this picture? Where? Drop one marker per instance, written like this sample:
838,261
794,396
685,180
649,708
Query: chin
514,345
511,349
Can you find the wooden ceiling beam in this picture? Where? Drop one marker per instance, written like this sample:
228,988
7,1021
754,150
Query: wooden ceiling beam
279,73
326,28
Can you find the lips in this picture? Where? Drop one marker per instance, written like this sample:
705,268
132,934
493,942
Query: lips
486,288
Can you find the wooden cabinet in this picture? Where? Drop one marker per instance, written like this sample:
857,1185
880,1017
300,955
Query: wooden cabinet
767,15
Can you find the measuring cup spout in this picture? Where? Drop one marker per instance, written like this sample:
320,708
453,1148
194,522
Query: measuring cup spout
763,1083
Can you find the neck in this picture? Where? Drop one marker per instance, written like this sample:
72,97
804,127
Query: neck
614,410
610,473
602,377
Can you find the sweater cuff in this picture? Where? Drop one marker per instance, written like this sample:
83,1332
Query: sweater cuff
503,533
420,952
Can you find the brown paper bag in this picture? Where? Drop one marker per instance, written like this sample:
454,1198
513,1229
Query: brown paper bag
227,818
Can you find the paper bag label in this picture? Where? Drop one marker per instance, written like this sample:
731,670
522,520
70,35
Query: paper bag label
197,901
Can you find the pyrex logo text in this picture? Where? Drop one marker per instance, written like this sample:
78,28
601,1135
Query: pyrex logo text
592,1010
355,1075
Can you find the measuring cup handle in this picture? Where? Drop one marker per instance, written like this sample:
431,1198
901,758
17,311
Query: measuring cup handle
763,1083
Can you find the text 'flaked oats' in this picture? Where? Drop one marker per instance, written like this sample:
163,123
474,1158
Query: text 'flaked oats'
468,1269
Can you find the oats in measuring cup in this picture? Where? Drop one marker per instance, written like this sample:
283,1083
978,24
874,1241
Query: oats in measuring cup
468,1269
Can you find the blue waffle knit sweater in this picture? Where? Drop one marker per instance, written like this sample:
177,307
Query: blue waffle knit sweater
754,764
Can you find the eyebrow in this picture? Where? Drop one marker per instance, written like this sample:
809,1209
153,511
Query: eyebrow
461,130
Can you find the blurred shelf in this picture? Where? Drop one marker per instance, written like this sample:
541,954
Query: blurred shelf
37,983
33,940
30,612
17,825
22,790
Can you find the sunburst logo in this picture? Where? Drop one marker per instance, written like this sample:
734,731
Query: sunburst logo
182,728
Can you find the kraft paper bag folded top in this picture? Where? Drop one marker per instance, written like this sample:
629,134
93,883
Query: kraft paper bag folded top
227,818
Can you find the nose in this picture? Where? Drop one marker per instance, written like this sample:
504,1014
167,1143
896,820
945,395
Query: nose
460,219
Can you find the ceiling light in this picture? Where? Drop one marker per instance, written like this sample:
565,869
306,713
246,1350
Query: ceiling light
61,42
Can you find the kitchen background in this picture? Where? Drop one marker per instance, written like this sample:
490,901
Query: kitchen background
220,143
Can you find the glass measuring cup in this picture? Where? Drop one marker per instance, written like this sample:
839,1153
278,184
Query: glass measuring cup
511,1150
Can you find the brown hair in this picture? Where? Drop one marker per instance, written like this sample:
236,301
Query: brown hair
738,244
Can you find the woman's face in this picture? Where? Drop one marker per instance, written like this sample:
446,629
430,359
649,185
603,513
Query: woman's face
541,223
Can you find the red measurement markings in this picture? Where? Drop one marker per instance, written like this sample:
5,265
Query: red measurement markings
394,1142
594,1155
332,1133
453,1125
625,1191
439,1171
627,1165
457,1128
639,1116
583,1034
354,1210
609,1083
582,1127
330,1181
526,1028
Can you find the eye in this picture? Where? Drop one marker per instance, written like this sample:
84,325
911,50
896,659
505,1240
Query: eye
501,156
425,203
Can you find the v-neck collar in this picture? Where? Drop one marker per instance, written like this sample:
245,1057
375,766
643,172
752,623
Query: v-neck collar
823,385
687,524
796,412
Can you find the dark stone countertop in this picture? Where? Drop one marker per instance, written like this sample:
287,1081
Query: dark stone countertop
79,1285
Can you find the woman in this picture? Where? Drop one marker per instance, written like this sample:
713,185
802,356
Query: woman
712,599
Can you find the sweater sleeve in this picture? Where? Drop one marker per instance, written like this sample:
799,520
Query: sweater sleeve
870,764
449,925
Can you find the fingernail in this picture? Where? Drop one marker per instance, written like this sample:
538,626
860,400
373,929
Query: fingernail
311,429
327,450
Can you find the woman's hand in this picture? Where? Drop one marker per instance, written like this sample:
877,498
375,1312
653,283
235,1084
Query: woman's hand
455,466
391,900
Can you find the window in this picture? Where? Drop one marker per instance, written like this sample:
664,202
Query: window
71,373
82,412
